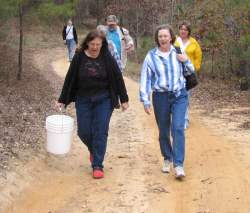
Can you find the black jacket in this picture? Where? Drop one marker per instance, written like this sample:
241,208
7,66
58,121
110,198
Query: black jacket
74,33
117,87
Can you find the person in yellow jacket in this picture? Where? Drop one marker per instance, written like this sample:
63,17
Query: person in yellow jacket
191,47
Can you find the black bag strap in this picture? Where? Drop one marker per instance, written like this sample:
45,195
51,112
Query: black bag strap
68,31
191,80
178,51
122,30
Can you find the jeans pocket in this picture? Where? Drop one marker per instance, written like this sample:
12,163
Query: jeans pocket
184,92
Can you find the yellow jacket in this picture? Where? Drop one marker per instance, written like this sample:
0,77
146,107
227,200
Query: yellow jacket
193,51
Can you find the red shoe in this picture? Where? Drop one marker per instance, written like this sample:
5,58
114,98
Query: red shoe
91,158
98,173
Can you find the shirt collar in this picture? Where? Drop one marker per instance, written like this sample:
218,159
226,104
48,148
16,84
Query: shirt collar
157,51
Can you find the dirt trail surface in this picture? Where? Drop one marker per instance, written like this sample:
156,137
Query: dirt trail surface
217,169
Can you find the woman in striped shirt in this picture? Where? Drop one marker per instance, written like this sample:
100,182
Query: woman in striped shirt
162,73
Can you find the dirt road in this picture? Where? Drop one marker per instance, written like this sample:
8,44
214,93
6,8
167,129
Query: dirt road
217,176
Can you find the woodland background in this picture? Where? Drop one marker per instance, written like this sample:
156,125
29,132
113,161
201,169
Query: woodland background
221,26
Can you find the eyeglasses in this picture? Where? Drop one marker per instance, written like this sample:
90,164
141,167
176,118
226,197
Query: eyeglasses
183,29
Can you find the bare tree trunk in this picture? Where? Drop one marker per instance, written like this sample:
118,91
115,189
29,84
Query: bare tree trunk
137,25
231,62
20,61
98,12
212,71
137,31
172,11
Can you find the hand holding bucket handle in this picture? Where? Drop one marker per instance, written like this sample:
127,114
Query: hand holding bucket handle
124,106
60,106
59,131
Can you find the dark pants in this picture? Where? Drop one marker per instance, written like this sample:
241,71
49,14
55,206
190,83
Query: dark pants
170,115
93,117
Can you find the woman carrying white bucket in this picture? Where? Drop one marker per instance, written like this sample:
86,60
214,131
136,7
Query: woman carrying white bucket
95,83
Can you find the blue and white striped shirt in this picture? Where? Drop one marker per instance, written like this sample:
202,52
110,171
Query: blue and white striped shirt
162,72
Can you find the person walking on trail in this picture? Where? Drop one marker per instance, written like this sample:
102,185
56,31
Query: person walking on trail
191,47
103,30
95,83
162,73
120,37
70,38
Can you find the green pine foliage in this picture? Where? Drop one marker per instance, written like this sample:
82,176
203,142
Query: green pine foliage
49,10
8,9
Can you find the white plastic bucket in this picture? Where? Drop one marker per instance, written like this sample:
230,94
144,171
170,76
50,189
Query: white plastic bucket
59,133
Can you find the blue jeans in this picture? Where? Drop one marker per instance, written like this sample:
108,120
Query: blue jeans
170,113
93,117
187,111
71,45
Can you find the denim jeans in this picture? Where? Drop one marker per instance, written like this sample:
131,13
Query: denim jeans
170,116
187,111
93,117
71,45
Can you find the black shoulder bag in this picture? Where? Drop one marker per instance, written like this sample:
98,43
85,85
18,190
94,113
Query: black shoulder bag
191,78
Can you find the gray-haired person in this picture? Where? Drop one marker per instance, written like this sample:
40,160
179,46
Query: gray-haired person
111,46
70,38
120,37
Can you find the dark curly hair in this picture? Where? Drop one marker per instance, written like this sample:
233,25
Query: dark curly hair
90,37
186,24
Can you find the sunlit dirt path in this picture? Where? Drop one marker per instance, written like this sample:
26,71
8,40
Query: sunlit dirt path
217,180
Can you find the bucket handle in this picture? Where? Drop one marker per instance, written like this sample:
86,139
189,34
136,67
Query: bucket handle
62,113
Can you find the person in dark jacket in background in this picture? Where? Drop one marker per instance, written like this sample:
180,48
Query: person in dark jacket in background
70,38
94,82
